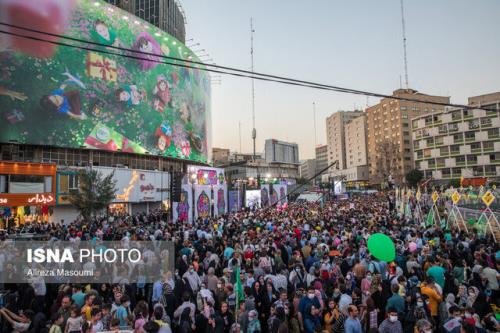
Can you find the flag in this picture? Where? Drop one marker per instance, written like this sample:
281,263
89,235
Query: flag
238,289
430,218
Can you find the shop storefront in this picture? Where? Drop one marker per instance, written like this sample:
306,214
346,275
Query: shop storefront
27,192
138,191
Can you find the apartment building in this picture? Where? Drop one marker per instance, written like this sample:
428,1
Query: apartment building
389,133
335,135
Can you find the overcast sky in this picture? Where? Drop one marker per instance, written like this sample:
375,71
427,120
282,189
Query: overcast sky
453,50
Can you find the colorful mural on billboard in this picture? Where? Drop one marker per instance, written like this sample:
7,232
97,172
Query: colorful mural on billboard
70,97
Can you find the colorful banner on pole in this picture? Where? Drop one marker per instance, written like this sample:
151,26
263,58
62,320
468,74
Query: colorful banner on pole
202,201
220,199
264,195
234,201
282,192
183,210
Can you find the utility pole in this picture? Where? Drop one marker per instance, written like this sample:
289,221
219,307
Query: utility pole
254,131
404,43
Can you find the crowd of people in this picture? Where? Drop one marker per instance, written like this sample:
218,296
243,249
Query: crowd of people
303,268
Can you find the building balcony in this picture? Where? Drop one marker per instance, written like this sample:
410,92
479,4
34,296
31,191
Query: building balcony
470,139
441,165
496,162
458,140
471,163
488,149
460,163
493,113
490,173
493,136
475,151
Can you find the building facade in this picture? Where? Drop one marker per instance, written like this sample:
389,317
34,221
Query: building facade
335,130
459,143
308,168
164,14
220,156
355,141
389,134
321,153
281,152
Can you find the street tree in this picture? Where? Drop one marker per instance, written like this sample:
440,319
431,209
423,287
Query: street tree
413,177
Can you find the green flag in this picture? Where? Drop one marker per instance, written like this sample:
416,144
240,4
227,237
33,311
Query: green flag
238,289
430,218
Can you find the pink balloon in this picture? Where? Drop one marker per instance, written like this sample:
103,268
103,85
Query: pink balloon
412,246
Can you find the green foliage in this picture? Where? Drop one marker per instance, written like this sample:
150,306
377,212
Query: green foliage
95,193
413,177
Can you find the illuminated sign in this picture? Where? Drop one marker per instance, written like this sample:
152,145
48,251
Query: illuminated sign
128,189
41,199
80,98
3,201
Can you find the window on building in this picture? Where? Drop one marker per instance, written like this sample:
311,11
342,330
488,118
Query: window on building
443,151
431,163
456,171
495,157
488,145
490,170
429,141
493,133
414,123
458,138
455,149
446,172
471,158
427,153
443,129
440,162
402,108
420,154
460,160
470,136
453,127
475,146
456,115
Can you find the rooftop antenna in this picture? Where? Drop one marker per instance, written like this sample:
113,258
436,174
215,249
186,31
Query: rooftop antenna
254,131
404,43
314,121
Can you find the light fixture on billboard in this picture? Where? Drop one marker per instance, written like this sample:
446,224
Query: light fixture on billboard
268,175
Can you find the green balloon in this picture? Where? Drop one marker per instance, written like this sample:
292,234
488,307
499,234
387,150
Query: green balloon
471,221
382,247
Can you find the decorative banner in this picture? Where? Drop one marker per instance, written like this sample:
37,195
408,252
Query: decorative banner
264,195
182,210
206,175
234,201
202,201
281,190
71,97
273,195
220,201
253,198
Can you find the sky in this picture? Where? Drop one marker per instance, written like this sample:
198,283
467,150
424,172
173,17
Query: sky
453,50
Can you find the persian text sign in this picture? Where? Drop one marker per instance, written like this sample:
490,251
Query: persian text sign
86,261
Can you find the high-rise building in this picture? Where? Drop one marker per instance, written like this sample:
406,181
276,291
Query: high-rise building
346,132
281,152
164,14
389,133
459,143
335,136
355,141
321,153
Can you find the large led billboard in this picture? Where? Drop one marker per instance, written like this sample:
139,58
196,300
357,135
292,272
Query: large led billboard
85,97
